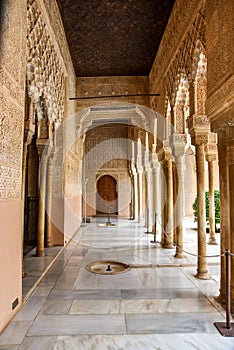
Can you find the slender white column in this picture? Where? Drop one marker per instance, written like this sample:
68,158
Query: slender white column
155,188
202,271
41,206
49,238
139,179
179,207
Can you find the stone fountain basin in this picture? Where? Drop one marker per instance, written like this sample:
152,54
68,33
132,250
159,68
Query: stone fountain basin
108,267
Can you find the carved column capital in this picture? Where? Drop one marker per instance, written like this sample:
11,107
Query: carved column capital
179,142
165,153
199,129
211,152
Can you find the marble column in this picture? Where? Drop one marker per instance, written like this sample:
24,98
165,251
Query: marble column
211,157
41,204
155,190
49,238
202,271
139,169
167,241
179,159
148,188
134,184
212,238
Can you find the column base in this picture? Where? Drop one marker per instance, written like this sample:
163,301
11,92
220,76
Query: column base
40,253
180,255
221,298
212,241
203,275
49,244
166,245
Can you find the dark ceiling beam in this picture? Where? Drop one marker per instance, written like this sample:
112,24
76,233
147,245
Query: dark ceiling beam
112,96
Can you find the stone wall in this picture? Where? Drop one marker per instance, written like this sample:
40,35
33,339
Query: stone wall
12,100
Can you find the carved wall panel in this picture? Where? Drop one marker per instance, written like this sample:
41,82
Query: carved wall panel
45,69
12,96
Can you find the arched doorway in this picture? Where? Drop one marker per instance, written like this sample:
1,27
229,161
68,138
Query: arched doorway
107,196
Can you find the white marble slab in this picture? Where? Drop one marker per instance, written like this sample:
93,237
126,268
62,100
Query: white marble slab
67,278
84,294
42,291
56,307
95,307
172,323
30,309
38,343
158,306
160,293
14,333
145,342
77,324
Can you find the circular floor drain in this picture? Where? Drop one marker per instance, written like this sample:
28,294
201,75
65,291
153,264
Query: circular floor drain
108,267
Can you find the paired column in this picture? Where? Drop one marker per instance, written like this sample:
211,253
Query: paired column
156,191
148,187
167,237
179,205
202,271
49,238
41,203
139,180
135,191
211,152
199,129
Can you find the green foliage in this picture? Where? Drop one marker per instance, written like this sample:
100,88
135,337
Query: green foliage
217,207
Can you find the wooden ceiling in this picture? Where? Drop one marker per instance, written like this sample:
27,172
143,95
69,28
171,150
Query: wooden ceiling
114,37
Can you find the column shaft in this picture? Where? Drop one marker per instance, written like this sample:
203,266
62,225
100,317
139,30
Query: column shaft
202,272
156,194
139,195
179,208
212,239
168,223
49,238
41,207
135,185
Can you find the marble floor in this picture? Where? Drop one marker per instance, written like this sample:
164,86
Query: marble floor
157,304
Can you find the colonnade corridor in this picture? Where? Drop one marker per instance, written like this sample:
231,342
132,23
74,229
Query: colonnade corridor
156,304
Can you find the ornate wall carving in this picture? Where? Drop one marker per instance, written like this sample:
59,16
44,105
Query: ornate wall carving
45,69
180,23
12,97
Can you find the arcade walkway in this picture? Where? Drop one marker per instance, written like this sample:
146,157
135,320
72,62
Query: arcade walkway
145,308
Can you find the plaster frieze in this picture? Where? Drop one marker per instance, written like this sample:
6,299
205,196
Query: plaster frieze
45,72
219,38
178,26
224,119
221,100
